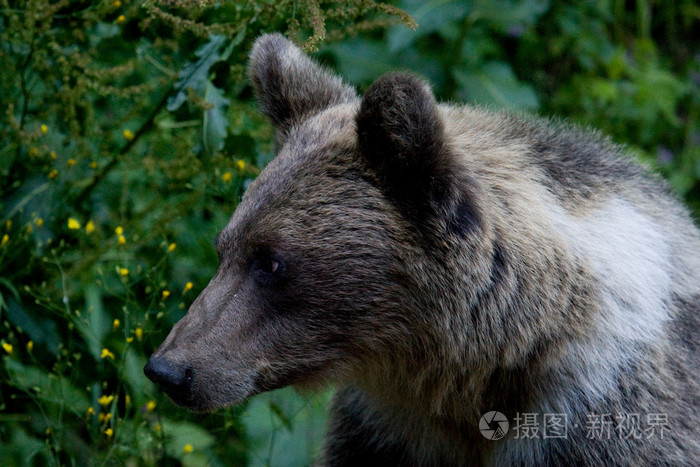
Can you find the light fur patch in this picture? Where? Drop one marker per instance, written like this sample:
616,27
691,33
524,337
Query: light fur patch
628,255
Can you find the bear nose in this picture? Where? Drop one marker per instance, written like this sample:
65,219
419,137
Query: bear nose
175,379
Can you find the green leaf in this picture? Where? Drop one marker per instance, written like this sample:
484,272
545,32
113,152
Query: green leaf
602,89
214,122
195,75
40,330
282,427
431,16
132,373
47,387
505,14
97,325
361,61
8,285
22,449
495,84
178,434
15,293
280,415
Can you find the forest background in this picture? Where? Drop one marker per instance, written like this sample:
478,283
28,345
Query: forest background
128,133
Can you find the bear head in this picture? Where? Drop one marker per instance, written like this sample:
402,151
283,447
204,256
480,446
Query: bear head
338,263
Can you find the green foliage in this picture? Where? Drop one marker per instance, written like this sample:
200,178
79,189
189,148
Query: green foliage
630,70
129,134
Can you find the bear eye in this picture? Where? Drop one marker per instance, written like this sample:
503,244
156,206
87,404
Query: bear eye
267,267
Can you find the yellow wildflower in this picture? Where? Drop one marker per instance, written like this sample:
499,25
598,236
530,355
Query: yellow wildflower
121,240
127,399
33,152
8,224
30,346
240,163
117,3
129,340
109,432
165,294
106,353
188,287
187,448
150,406
101,417
120,20
73,224
227,177
7,347
53,155
171,247
89,227
105,400
70,162
119,230
5,239
53,174
139,333
39,222
107,417
44,129
29,228
123,272
93,165
128,134
91,411
115,324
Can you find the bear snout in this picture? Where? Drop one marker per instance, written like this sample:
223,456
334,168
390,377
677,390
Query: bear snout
175,379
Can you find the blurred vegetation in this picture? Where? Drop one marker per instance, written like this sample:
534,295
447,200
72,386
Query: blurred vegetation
129,133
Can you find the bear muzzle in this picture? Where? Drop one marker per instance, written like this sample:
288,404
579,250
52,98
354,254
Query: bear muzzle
176,380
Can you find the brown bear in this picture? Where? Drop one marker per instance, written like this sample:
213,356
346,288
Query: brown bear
483,288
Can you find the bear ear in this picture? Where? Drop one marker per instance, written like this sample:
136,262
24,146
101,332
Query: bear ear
289,85
401,136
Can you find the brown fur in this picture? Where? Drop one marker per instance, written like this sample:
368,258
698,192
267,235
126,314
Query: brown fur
439,262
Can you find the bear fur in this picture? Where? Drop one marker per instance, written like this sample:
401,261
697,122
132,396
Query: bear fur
437,262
